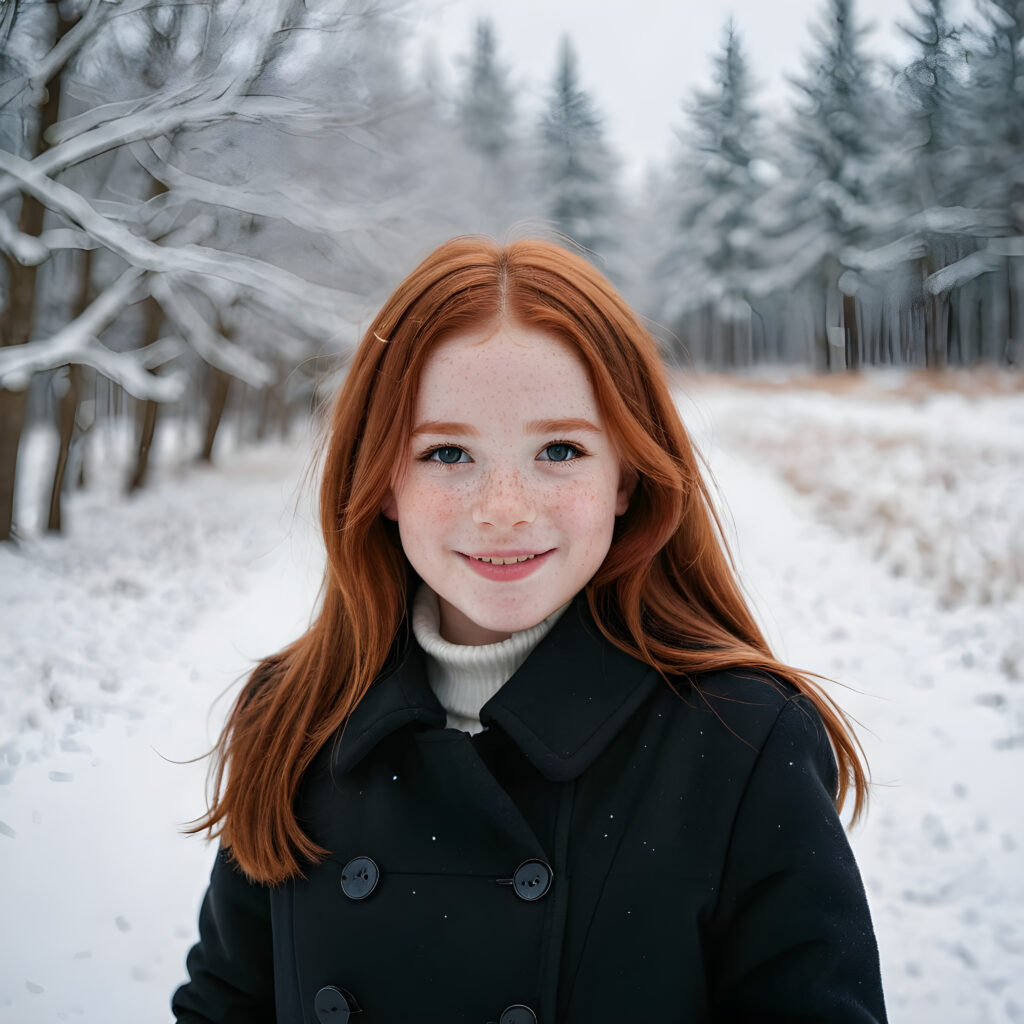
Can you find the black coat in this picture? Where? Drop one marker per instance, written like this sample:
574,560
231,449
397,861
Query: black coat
606,850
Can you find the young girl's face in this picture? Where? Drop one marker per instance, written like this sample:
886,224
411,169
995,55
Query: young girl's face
508,490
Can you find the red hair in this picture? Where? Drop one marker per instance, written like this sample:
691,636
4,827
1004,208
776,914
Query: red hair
666,592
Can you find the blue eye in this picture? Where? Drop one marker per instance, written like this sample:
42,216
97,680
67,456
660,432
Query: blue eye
560,452
449,454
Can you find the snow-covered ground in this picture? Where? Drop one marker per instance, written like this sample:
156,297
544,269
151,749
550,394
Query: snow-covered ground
879,538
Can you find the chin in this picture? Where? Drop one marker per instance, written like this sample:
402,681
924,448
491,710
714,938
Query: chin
518,619
502,623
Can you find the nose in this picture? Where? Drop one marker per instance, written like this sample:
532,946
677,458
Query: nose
504,499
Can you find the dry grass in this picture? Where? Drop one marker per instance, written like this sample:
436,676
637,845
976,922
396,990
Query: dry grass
929,497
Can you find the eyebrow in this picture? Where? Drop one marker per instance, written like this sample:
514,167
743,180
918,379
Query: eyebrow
446,427
561,426
452,429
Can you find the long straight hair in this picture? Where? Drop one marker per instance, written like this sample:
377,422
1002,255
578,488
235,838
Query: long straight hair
666,592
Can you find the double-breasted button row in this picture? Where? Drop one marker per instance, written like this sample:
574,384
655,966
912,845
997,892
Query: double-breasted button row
334,1005
516,1014
530,882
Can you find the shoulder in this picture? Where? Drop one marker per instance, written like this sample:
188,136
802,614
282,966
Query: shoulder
748,717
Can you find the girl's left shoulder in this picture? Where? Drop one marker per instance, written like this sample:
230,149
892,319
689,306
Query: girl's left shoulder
747,716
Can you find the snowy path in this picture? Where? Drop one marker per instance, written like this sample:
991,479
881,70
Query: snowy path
120,637
100,892
942,849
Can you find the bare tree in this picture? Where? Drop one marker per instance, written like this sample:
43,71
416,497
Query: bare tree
227,122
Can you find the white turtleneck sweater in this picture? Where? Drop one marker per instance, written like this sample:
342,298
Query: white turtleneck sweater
465,677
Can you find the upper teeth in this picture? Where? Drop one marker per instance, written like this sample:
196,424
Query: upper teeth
505,561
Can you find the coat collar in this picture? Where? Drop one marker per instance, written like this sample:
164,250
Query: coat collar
566,703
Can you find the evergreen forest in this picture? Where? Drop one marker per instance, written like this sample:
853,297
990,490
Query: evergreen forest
202,205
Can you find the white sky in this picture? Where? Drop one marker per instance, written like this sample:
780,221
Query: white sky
640,58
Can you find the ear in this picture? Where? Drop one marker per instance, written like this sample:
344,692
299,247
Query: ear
389,507
627,485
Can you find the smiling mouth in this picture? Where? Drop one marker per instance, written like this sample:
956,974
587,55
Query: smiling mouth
502,561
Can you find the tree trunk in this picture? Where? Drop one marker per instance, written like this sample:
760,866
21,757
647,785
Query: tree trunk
1015,352
12,418
853,359
67,407
821,352
18,318
16,325
147,428
66,410
937,331
218,397
154,321
267,399
240,413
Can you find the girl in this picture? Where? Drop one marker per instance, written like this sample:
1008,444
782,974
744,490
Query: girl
534,760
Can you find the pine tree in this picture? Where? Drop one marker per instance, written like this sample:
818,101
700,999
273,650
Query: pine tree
846,178
994,134
932,82
995,123
718,183
487,107
833,126
576,166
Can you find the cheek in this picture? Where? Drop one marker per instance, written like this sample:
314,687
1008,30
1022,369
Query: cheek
587,511
421,504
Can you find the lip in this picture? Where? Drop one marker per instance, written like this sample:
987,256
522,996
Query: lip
507,573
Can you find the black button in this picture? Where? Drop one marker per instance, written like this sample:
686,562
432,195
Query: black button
359,878
518,1014
531,880
334,1005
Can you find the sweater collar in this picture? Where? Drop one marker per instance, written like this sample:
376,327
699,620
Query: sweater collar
563,706
464,677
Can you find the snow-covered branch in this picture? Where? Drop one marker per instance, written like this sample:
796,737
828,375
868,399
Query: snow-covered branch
903,250
163,350
72,40
77,342
290,202
25,249
959,220
211,346
326,305
169,113
104,113
31,252
67,238
855,213
124,369
981,262
960,273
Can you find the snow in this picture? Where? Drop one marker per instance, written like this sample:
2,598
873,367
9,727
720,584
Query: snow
315,303
28,251
76,342
120,638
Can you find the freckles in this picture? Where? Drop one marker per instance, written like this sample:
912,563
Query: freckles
438,502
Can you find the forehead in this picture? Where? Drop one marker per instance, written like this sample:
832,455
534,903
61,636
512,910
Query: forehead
508,370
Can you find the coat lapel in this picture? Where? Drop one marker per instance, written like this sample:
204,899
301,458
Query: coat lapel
401,696
566,703
571,697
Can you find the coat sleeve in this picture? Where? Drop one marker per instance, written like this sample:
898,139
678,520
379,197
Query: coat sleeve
231,967
793,939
